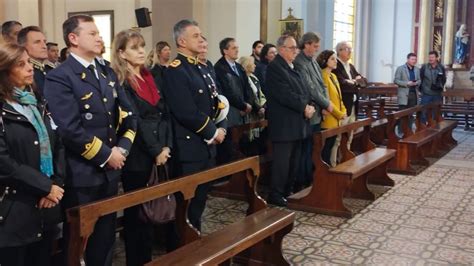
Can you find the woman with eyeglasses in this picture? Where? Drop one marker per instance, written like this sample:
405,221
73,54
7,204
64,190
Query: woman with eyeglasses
31,166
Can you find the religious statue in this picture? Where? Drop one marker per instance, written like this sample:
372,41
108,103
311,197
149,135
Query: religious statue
461,41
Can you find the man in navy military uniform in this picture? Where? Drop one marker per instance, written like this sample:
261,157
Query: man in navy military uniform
97,126
34,41
193,110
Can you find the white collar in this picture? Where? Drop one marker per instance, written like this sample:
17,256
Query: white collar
83,62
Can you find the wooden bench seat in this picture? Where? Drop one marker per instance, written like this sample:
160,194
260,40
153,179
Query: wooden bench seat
349,178
420,138
445,141
363,163
414,146
82,218
266,227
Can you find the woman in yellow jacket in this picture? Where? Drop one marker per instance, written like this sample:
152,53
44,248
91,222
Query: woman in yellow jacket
328,61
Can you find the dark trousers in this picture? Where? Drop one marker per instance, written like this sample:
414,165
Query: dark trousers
198,203
306,166
37,253
427,99
99,250
326,152
412,101
286,157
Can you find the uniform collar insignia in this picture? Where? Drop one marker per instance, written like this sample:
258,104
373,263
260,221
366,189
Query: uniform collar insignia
37,64
111,83
191,59
83,75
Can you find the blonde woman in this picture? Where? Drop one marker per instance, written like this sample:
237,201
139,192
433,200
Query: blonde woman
153,141
327,60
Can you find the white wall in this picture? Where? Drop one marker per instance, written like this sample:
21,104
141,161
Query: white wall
21,11
56,11
390,37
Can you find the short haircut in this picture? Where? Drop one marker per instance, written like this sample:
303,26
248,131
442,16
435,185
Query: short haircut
179,28
281,40
71,25
323,58
435,53
411,54
160,45
309,38
256,43
224,44
51,44
7,26
264,52
23,33
340,45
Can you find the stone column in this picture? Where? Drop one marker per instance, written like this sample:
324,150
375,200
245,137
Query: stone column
425,31
449,32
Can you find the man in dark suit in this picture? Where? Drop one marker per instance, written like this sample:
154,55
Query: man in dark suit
34,41
235,86
289,111
350,81
191,101
97,126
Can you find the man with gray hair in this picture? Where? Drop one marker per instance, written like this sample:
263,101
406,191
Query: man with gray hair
191,102
310,71
350,81
289,112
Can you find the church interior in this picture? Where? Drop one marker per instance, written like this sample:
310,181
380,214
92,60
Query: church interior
392,199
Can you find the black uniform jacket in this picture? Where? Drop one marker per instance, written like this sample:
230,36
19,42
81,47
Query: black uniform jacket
22,184
92,117
192,104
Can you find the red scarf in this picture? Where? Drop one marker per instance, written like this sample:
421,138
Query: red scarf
146,88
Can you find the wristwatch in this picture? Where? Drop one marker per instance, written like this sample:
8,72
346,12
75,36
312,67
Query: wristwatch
123,151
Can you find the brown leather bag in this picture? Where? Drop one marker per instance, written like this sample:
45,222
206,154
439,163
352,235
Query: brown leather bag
160,210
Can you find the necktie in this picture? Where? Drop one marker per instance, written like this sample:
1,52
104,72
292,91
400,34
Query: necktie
92,70
234,67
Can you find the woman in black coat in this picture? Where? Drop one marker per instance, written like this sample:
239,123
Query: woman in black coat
153,141
31,166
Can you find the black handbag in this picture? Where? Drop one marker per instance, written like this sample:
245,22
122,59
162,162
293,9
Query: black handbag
160,210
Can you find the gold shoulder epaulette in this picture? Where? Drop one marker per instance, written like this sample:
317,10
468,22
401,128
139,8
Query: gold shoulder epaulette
175,63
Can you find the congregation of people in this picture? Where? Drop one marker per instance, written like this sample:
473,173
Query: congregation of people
74,126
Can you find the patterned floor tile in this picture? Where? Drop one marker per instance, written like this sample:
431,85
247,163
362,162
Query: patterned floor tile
426,219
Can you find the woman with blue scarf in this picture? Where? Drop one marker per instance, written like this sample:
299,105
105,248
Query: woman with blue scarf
30,169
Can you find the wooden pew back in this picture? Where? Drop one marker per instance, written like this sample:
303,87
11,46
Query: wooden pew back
82,219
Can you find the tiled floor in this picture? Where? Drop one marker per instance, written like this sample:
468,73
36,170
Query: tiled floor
425,219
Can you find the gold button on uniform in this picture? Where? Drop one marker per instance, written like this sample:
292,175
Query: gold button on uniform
188,137
110,139
105,100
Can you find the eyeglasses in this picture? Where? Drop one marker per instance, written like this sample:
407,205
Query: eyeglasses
292,48
348,49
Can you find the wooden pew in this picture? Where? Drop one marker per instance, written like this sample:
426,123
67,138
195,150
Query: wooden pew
235,187
83,218
445,141
375,109
256,240
414,146
348,178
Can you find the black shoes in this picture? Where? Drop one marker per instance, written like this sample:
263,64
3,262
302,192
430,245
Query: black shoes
278,201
